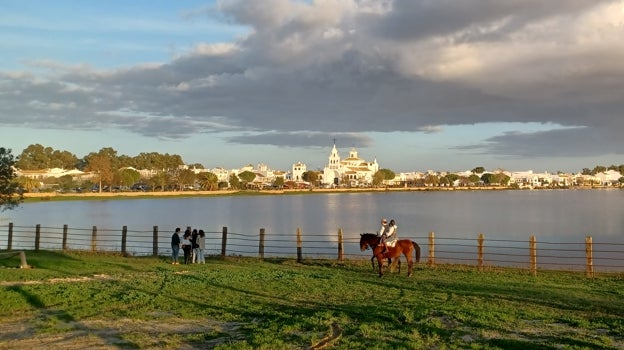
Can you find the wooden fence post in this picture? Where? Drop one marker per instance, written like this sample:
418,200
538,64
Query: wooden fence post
155,241
261,244
431,258
223,241
340,247
94,239
23,262
589,253
480,240
124,239
37,236
533,255
65,237
10,239
299,246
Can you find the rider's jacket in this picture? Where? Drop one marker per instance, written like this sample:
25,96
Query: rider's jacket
391,234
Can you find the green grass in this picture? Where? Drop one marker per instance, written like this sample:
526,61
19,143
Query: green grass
244,303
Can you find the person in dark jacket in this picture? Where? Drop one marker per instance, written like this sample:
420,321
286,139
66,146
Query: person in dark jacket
195,246
187,246
175,247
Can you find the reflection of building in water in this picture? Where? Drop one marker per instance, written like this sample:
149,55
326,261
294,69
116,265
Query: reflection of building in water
352,171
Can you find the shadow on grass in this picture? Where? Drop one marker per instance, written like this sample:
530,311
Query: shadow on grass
60,322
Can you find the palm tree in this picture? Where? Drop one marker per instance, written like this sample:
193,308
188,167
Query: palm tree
208,181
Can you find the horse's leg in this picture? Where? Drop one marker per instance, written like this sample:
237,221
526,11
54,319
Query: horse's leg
380,262
394,264
373,262
410,263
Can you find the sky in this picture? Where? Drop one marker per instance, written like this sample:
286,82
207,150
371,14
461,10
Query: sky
415,84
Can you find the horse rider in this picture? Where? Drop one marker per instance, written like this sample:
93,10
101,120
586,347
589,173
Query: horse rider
389,234
383,232
384,227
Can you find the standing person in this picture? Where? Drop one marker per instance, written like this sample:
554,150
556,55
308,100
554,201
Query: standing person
194,246
175,246
201,242
186,246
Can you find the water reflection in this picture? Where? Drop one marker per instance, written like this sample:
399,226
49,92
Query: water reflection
564,216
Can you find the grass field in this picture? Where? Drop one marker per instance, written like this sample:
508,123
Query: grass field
79,300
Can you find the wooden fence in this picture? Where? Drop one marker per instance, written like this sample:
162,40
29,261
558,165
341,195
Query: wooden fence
588,256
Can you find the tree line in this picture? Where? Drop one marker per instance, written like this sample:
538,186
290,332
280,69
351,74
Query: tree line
116,172
113,172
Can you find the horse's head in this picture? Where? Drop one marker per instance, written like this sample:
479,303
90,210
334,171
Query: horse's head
368,240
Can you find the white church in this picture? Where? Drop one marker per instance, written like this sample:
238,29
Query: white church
353,170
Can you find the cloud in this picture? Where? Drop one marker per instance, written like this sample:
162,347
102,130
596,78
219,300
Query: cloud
309,69
301,139
568,142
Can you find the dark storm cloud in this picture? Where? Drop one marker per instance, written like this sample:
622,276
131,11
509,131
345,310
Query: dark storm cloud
301,139
308,70
573,142
415,19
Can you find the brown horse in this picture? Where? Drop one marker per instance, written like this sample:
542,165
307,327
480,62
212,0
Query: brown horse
402,246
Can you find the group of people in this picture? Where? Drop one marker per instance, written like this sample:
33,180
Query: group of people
387,233
192,243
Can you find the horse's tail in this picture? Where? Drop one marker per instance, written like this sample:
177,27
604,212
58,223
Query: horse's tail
417,249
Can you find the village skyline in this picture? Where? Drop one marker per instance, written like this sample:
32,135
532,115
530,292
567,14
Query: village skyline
339,170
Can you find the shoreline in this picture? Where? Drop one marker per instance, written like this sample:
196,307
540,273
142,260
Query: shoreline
163,194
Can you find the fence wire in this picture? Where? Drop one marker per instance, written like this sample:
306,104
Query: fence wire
605,256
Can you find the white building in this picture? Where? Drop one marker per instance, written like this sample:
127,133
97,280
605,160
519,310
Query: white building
352,171
297,171
609,177
53,172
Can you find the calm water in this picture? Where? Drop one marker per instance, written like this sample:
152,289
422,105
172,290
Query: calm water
559,216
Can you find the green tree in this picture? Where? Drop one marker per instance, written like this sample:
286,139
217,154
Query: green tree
598,169
100,165
196,166
65,183
500,179
478,170
128,177
432,180
247,177
35,157
208,181
28,183
159,181
310,176
63,160
474,179
450,177
487,178
279,182
378,179
234,181
184,178
10,190
381,175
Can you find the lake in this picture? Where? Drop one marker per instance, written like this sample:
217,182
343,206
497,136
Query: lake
555,217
